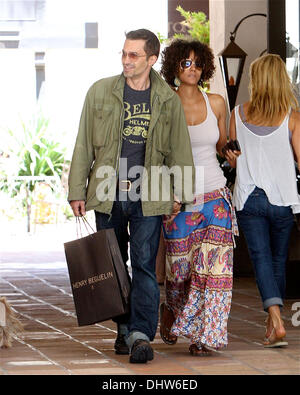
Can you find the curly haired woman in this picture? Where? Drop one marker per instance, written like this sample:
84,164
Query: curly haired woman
199,240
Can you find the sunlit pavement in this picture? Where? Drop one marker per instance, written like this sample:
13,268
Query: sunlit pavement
34,279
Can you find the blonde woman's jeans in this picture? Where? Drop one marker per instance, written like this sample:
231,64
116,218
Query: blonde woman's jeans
267,229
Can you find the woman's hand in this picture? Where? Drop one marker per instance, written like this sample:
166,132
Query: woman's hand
176,208
231,157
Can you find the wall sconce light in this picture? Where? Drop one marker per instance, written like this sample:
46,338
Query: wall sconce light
232,60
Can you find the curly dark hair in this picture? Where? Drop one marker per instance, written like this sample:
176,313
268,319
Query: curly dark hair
180,49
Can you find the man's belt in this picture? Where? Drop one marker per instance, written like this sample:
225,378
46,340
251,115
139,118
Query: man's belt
124,185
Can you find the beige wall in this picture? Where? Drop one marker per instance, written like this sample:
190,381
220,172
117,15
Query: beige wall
251,36
217,41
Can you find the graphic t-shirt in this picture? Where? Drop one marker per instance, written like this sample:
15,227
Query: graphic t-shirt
136,124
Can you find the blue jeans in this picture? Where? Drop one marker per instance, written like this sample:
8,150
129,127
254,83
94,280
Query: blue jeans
267,231
144,238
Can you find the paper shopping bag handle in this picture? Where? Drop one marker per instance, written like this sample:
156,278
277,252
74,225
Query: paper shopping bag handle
85,223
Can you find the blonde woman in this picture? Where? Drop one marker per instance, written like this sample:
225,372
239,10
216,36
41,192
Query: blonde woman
265,192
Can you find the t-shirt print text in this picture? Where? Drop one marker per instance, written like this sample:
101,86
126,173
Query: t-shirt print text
136,122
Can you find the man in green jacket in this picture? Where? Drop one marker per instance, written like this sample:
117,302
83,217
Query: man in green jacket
132,163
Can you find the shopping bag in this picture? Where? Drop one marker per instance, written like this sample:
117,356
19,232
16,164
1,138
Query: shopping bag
99,280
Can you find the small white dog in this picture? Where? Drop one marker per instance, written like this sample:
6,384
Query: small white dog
9,324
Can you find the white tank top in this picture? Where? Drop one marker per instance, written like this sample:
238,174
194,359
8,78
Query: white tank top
204,138
266,162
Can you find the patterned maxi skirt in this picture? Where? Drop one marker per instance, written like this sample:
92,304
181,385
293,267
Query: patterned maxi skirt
199,266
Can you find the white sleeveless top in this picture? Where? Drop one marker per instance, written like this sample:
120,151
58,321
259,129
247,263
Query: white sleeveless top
266,162
204,138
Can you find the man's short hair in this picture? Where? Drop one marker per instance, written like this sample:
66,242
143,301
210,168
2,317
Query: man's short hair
152,44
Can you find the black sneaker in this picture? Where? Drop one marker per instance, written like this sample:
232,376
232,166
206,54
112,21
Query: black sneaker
141,352
121,347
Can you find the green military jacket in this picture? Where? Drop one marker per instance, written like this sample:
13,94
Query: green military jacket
95,162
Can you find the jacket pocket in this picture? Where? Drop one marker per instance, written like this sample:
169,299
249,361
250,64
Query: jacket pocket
162,135
103,119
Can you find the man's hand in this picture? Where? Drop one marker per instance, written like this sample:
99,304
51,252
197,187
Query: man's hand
175,212
78,207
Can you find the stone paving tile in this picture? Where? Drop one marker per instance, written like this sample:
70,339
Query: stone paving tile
230,369
32,367
105,371
53,343
36,372
265,360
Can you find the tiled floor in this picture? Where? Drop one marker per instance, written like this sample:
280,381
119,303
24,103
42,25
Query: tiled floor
37,286
52,342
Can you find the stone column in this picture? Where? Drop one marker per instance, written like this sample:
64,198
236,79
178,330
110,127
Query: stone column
251,36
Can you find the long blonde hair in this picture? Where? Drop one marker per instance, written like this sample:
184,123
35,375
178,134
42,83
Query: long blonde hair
271,90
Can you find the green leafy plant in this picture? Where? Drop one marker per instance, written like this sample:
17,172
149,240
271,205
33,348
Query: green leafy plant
31,156
196,24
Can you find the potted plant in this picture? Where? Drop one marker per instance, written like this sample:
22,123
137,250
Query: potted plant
31,157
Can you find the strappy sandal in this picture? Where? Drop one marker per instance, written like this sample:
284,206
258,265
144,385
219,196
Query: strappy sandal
166,321
273,341
267,322
199,352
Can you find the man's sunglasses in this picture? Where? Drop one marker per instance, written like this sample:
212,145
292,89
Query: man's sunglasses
186,63
131,55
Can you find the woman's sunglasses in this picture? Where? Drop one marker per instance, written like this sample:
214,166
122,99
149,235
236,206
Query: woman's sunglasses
186,63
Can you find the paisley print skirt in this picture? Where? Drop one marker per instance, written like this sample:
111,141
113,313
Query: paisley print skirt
199,266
